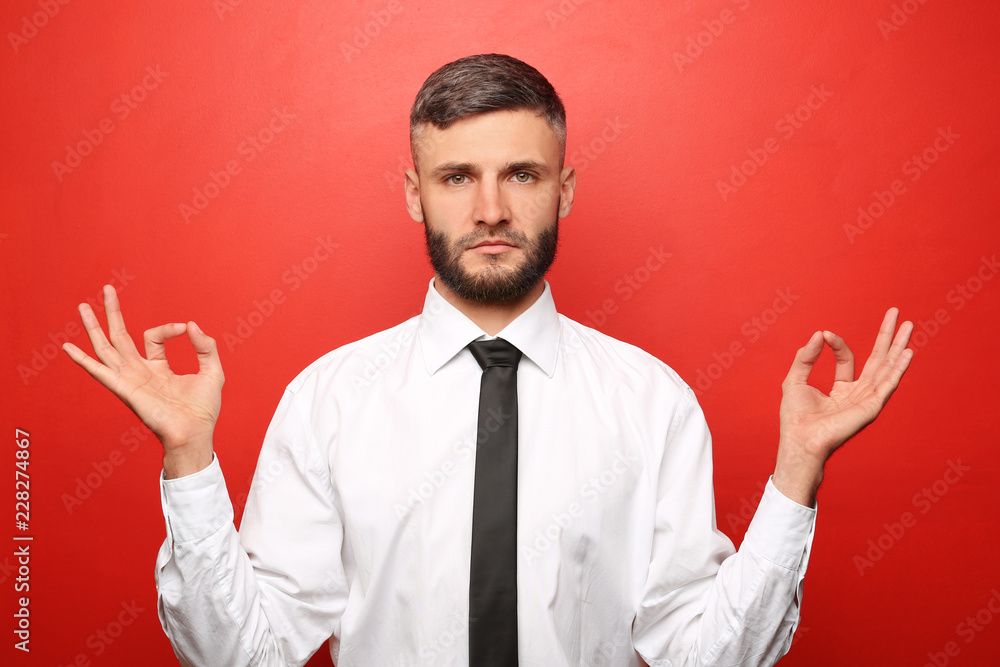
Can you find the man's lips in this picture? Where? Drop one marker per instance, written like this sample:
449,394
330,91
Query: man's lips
492,247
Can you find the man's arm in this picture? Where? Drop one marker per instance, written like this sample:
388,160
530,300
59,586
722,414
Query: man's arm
814,425
219,605
704,605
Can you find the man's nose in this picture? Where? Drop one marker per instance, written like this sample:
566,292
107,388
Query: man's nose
491,203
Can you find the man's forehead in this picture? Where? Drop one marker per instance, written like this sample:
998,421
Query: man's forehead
497,136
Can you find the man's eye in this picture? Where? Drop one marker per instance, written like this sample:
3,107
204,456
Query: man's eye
523,177
456,179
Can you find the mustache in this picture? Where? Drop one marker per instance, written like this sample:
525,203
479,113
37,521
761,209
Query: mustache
503,233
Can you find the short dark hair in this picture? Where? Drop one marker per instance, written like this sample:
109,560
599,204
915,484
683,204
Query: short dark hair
480,84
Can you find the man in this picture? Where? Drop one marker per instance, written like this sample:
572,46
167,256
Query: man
369,515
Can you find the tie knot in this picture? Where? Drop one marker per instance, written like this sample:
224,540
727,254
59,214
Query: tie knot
496,352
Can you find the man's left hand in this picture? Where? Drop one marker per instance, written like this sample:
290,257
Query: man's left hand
814,425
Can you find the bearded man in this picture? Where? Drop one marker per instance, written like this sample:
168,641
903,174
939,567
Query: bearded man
511,487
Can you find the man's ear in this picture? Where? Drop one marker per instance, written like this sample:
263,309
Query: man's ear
567,190
411,185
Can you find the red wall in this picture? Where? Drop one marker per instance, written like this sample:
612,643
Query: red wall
116,118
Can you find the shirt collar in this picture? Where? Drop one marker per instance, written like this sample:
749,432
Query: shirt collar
444,331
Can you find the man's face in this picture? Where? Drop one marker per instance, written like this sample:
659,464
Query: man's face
490,192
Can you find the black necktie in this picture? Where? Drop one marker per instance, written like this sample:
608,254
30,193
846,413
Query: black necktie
493,580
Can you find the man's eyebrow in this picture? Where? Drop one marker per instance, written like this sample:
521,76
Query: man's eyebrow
526,165
453,167
464,167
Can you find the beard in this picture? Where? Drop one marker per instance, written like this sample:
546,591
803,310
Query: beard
495,282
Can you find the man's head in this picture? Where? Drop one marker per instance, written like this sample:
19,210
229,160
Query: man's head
480,84
488,136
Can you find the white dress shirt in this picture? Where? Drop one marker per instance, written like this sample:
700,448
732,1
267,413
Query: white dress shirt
359,520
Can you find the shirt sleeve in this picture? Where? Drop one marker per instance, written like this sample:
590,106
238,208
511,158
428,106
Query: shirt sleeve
702,603
228,598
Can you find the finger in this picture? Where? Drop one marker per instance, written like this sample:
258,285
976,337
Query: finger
902,339
97,370
883,341
207,351
888,385
899,343
154,340
845,358
116,324
102,348
804,361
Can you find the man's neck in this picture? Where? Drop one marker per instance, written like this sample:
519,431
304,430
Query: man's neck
490,317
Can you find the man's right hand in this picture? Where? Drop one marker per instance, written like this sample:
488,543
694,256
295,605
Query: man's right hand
180,410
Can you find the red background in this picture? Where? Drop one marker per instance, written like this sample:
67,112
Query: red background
682,92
